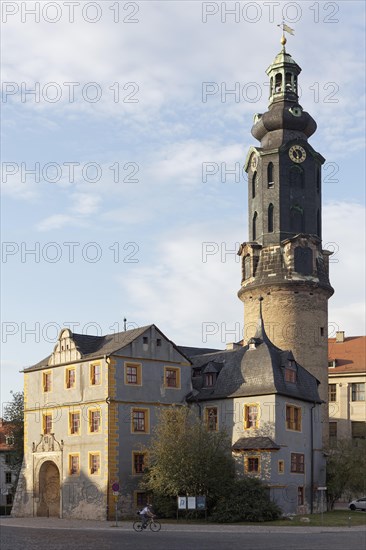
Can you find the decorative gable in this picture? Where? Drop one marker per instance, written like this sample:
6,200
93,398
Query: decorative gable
65,350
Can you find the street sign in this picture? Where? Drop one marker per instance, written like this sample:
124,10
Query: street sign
115,486
182,503
322,488
191,501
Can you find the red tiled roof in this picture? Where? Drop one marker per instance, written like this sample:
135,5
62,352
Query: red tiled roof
5,429
349,355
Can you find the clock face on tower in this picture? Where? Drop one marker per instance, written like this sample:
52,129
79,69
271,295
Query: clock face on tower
297,153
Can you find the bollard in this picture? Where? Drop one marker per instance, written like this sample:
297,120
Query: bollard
349,521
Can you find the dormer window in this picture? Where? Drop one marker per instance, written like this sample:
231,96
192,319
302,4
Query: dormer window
290,372
332,364
210,379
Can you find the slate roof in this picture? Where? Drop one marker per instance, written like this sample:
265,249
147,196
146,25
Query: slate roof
91,347
248,372
255,443
192,351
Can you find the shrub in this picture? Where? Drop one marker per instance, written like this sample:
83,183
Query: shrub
247,500
164,506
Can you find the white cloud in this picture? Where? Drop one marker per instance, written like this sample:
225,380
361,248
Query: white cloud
181,292
56,221
344,234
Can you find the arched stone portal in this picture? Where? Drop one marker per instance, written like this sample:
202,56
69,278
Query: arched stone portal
49,490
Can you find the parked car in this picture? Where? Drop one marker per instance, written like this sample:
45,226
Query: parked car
358,504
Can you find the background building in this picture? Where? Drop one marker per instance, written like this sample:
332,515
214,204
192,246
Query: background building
347,381
8,474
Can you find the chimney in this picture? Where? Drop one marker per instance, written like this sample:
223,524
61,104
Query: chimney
232,345
339,336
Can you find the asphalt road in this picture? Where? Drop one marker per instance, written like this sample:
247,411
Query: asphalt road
20,538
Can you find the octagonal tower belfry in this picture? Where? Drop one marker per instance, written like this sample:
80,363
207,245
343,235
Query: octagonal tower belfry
283,260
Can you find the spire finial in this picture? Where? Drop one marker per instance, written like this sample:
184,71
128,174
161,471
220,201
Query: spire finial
285,28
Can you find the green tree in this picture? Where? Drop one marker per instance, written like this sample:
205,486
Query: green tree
346,471
14,425
186,459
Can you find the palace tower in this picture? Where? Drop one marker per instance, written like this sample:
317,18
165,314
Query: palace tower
283,260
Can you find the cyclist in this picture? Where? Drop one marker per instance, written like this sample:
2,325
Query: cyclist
146,513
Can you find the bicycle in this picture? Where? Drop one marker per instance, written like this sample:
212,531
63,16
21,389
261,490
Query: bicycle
151,522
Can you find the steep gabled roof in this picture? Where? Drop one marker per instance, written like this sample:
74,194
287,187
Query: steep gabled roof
91,347
256,369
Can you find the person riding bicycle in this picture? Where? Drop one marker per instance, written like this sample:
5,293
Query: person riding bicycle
146,513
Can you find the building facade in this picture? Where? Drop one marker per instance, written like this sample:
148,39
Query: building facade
271,407
90,407
347,382
89,412
8,474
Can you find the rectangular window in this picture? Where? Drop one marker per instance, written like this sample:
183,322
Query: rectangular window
332,392
332,434
211,419
300,496
252,464
74,423
8,458
358,430
251,416
210,379
158,342
47,382
297,463
139,460
47,423
140,421
70,378
293,418
290,375
133,374
74,465
172,377
95,374
94,421
9,499
7,477
358,392
281,466
94,463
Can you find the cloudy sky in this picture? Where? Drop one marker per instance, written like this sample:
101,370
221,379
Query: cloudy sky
118,126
